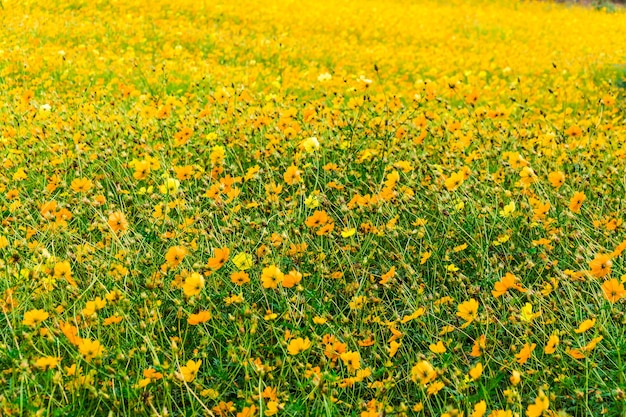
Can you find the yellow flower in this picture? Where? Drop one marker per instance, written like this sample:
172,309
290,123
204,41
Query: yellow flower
435,387
476,371
423,372
480,408
310,144
527,314
47,362
468,311
170,186
515,377
292,175
311,202
393,348
34,318
142,169
271,408
190,370
352,360
298,345
585,325
271,277
454,181
243,261
508,209
439,347
63,270
90,349
347,232
542,403
193,284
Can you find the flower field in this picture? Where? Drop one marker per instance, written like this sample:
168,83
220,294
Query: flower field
325,208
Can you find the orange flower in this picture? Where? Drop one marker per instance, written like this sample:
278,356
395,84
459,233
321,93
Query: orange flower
220,257
117,222
112,320
507,282
175,255
201,317
183,173
239,278
292,279
292,175
524,354
557,179
327,228
81,185
318,218
576,201
574,131
71,332
601,265
247,411
478,346
575,353
182,137
613,290
384,279
551,345
149,375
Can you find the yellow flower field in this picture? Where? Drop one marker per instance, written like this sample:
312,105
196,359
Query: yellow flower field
324,208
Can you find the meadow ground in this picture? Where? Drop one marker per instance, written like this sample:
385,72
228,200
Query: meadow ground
321,208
